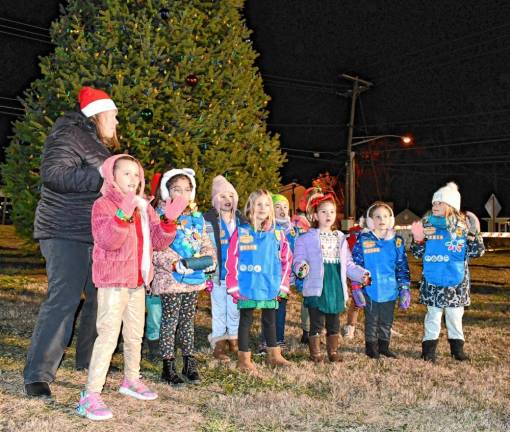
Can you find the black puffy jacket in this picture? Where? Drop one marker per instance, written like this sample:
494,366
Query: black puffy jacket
70,179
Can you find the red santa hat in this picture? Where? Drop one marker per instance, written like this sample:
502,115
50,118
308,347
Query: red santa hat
93,101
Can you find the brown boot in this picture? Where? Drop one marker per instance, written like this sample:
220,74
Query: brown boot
314,343
244,363
233,346
332,347
219,351
275,358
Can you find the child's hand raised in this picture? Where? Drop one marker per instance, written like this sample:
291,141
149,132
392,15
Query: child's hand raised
174,208
417,231
128,204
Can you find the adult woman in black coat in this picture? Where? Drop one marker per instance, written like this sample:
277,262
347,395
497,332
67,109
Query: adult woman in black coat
71,178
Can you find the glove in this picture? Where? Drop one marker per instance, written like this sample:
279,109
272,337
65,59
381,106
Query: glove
128,204
367,279
473,223
303,270
209,285
417,230
182,269
281,295
236,296
174,208
358,297
404,296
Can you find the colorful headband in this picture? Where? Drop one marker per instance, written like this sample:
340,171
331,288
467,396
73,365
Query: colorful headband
314,203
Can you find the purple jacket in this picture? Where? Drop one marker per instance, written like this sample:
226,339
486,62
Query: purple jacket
308,249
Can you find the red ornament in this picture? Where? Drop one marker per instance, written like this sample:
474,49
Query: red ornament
192,80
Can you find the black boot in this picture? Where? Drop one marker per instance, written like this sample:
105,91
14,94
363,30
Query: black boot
190,369
428,348
372,349
384,349
38,389
457,349
170,375
153,354
305,338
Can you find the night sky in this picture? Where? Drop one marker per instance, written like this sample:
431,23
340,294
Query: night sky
441,71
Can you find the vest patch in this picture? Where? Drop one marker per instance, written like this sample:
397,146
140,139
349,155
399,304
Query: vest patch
248,247
246,239
368,244
437,258
372,250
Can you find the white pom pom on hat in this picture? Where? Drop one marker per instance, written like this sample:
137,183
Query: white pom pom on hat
448,194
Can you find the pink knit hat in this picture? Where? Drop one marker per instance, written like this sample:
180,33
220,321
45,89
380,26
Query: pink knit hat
221,185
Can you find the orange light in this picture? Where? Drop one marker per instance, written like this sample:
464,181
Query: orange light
406,139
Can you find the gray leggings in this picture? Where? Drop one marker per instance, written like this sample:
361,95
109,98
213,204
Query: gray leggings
378,320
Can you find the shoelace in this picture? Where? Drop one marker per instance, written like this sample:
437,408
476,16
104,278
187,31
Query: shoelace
96,401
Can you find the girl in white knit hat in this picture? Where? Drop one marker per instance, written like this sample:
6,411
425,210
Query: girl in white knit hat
445,239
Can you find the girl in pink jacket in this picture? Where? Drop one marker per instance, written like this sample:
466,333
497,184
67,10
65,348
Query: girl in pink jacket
125,230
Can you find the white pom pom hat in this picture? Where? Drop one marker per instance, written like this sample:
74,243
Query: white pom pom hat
448,194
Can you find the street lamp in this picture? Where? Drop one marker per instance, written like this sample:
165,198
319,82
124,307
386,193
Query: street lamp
350,175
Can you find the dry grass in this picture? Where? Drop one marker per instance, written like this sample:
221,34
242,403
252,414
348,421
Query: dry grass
358,395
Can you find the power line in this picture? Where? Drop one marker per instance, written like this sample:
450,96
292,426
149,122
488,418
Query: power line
3,26
299,80
22,23
26,37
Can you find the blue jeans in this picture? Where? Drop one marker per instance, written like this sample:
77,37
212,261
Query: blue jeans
153,319
225,315
69,269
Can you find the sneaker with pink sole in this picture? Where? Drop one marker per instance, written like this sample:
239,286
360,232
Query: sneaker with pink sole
92,406
137,389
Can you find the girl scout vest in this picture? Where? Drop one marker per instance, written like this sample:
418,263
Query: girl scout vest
224,242
380,258
259,266
445,253
188,243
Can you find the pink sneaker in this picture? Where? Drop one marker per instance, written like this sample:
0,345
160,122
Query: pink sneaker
137,389
92,406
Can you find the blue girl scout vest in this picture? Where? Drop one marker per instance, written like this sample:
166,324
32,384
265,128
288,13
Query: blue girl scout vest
259,266
445,253
188,243
224,242
380,257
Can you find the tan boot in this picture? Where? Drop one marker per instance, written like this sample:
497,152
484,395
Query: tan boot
245,364
332,347
275,358
314,343
219,351
233,346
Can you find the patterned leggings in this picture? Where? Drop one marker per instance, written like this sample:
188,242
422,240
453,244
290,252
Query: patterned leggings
177,321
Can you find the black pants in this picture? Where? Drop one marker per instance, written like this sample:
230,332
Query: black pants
69,269
378,320
268,327
317,322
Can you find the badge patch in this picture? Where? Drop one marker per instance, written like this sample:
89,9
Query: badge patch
246,239
368,244
429,231
398,242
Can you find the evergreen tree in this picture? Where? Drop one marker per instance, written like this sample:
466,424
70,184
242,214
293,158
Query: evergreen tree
183,77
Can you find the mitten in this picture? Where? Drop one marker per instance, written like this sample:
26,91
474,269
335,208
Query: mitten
404,296
236,295
303,270
209,285
281,295
417,230
473,223
182,269
358,297
174,208
128,204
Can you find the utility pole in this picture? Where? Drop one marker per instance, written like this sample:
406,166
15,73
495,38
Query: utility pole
358,86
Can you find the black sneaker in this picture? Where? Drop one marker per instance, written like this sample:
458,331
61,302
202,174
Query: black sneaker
38,389
190,369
